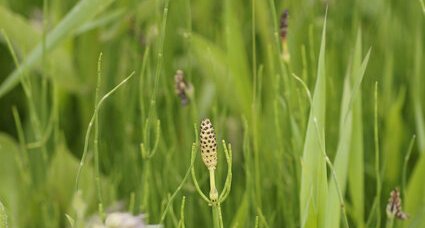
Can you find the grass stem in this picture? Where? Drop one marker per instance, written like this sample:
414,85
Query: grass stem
377,159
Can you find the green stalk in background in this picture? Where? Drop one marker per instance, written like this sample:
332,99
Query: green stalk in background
377,160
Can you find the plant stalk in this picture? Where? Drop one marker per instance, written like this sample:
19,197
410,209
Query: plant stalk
216,210
389,223
216,217
213,189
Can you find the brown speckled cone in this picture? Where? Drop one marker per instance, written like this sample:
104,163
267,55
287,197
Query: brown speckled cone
394,205
208,144
181,87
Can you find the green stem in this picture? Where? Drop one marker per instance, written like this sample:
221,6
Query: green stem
195,182
377,158
146,184
390,223
216,212
213,189
405,163
89,128
164,213
96,142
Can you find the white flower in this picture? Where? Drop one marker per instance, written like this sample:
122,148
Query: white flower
120,220
124,220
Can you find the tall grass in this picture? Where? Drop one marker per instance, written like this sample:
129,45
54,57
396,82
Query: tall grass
323,126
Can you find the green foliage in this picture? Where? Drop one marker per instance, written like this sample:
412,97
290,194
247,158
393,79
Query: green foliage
320,134
314,187
3,216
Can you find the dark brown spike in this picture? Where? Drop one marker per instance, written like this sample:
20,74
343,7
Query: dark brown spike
284,24
394,205
181,87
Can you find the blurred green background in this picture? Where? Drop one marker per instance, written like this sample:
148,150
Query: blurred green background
231,54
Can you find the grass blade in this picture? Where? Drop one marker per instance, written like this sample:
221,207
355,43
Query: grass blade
333,210
356,157
415,196
82,12
25,37
350,138
313,175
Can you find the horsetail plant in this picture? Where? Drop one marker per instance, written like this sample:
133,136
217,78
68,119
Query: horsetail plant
208,143
209,154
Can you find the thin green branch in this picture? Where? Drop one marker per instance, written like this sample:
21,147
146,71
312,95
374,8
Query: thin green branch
85,151
181,222
170,200
195,182
228,183
96,140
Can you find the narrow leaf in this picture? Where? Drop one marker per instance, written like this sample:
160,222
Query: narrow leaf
313,177
81,13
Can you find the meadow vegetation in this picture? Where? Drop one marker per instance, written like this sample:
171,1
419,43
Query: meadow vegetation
318,115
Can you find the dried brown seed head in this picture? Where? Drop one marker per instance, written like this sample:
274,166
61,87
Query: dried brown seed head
208,144
283,27
181,87
284,24
394,206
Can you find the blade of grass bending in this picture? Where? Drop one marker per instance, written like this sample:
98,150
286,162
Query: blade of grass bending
337,187
89,128
98,22
195,145
188,172
170,200
25,37
27,87
83,11
24,163
313,175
